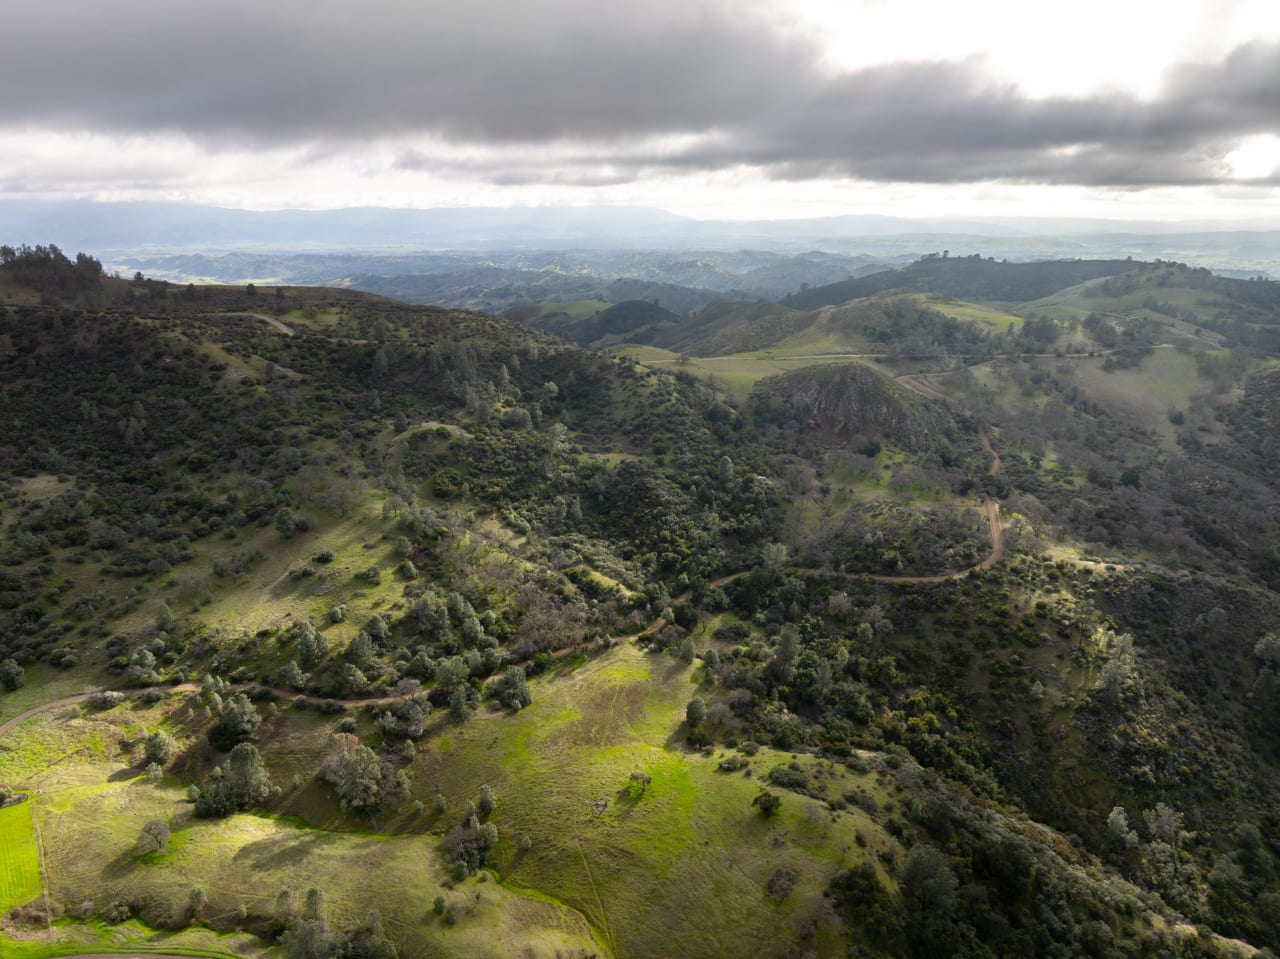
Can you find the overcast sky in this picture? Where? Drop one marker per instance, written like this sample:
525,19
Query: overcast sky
742,108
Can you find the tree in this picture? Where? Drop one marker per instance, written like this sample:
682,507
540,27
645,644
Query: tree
292,676
154,838
370,940
463,701
11,674
159,748
284,905
1164,824
196,901
488,800
360,651
406,719
724,470
927,878
312,645
1267,650
377,630
695,712
312,939
1118,828
360,778
782,666
451,671
247,776
512,688
767,802
240,782
237,721
774,556
286,522
364,782
468,845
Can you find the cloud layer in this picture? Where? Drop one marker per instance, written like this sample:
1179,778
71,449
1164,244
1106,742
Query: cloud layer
579,92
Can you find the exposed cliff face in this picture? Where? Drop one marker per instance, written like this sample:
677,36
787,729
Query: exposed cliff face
851,403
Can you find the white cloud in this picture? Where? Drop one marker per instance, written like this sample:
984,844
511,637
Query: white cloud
761,107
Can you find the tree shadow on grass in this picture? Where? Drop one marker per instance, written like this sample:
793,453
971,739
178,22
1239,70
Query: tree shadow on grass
125,774
121,866
275,853
673,668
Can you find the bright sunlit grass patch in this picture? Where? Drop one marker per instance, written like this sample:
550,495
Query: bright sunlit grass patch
19,857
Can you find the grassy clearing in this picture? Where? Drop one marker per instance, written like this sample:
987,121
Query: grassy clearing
636,864
247,860
69,746
609,871
736,374
969,312
43,486
269,597
821,336
1166,380
19,858
43,683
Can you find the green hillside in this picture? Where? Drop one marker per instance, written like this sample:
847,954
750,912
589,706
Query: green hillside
339,627
965,277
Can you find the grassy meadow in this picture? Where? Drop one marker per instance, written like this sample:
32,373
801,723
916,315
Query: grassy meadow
611,869
19,857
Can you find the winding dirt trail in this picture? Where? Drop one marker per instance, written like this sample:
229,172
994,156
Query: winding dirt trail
279,691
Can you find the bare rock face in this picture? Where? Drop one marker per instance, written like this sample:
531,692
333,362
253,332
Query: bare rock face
852,403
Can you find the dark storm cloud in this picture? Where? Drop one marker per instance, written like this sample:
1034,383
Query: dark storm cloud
483,71
575,91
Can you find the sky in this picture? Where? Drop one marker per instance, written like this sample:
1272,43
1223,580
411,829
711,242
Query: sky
708,108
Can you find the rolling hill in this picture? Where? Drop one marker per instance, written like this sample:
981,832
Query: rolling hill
509,646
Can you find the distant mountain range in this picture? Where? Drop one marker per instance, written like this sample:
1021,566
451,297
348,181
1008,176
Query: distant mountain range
174,227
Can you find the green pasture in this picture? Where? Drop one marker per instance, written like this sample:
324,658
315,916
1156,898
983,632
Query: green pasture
19,858
635,862
737,375
247,860
969,312
611,870
92,802
42,684
1165,380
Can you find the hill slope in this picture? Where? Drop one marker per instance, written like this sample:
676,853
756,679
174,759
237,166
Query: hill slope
969,278
419,584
